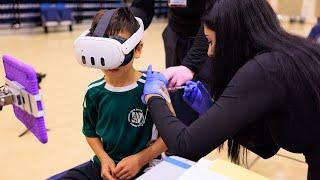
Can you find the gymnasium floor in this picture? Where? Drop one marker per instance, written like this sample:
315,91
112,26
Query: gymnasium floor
63,90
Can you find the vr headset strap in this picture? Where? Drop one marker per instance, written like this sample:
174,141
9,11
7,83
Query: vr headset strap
103,24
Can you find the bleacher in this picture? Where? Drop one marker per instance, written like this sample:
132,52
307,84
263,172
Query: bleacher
161,8
26,13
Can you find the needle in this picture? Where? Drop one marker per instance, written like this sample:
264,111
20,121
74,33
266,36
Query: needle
176,88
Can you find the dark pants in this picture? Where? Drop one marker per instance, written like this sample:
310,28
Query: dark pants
176,48
85,171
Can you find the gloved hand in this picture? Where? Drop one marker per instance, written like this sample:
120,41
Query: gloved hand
197,97
155,84
178,75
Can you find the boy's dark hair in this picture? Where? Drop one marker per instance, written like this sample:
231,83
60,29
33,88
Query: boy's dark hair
122,21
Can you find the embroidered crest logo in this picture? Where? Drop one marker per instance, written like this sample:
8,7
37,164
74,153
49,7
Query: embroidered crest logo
136,118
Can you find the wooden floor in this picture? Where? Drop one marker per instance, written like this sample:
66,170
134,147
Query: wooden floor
63,90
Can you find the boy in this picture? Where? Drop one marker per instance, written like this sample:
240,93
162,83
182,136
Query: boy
116,123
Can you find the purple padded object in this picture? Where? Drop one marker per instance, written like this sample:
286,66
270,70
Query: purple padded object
26,76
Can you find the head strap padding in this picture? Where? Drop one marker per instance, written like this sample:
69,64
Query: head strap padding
103,24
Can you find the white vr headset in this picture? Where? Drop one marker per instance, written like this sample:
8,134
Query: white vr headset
100,52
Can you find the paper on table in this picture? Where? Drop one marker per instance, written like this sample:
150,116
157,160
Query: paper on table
169,169
201,170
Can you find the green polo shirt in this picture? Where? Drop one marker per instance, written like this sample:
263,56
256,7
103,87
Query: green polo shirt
118,117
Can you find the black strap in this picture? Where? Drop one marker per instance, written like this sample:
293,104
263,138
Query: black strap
103,23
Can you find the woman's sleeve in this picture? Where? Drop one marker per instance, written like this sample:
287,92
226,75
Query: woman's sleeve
247,98
197,55
143,9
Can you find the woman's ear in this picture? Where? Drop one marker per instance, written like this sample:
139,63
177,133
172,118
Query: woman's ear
138,50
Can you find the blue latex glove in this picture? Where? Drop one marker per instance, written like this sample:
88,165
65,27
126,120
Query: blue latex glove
155,83
197,96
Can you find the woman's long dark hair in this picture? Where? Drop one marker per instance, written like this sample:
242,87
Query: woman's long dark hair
245,28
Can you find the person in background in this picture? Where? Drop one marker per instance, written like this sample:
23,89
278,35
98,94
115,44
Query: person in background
185,47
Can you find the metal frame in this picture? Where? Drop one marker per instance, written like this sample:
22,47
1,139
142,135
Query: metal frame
15,93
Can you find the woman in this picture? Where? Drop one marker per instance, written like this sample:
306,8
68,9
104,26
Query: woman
266,86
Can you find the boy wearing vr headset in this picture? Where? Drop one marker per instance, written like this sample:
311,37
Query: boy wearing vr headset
116,123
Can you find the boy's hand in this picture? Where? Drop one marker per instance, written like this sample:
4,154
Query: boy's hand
107,167
128,167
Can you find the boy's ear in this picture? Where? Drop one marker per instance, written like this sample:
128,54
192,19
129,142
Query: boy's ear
138,50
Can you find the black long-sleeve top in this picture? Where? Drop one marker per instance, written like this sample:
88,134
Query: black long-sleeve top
197,55
257,105
185,22
143,9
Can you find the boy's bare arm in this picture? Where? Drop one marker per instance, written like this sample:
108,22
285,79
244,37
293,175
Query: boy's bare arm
152,151
97,147
107,164
171,108
129,166
158,146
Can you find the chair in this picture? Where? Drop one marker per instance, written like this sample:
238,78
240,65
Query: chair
65,14
49,16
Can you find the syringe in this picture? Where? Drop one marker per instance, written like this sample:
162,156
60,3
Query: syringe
176,88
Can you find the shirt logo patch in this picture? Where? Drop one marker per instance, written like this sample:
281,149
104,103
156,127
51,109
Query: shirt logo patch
136,118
